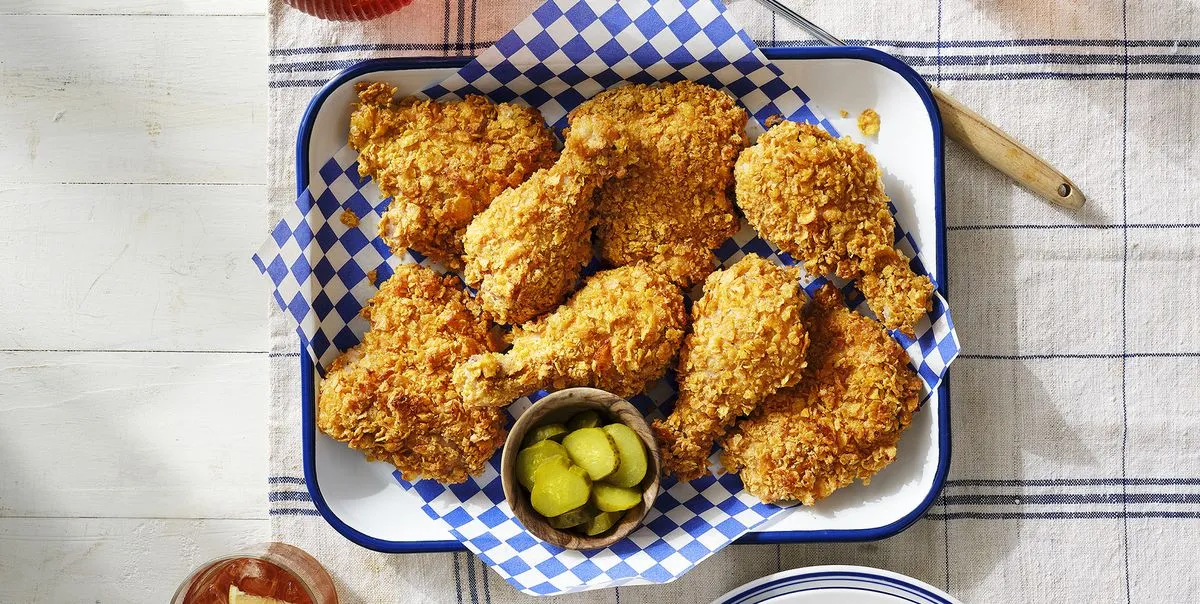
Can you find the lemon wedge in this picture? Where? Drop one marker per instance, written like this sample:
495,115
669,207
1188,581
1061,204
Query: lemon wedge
237,596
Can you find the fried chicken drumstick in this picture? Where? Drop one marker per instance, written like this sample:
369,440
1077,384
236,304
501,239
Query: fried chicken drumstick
840,423
671,208
526,251
391,396
821,200
747,341
618,333
442,163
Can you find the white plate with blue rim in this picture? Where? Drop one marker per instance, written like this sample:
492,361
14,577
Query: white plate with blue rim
836,584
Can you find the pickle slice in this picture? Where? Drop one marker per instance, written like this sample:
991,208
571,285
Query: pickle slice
611,498
600,523
575,517
554,432
632,452
558,488
584,419
534,456
593,450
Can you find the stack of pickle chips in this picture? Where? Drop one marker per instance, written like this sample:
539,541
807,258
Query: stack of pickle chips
581,475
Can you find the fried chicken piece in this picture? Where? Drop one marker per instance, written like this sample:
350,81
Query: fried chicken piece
841,422
747,342
526,251
442,163
618,333
391,396
672,207
821,200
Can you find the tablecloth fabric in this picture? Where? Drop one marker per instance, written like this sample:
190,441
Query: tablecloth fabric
1075,407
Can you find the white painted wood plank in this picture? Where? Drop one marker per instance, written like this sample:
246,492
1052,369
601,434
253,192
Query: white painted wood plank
132,7
69,561
132,267
132,99
162,435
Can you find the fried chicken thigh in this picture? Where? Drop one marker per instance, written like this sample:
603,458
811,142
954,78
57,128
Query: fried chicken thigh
671,208
442,163
391,396
747,341
840,423
618,333
821,200
526,251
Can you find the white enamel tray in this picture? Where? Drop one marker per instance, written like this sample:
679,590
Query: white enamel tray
364,502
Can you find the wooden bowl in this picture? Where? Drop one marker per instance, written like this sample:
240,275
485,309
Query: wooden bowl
557,407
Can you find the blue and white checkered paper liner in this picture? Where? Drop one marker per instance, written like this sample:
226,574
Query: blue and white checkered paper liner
569,50
689,522
561,55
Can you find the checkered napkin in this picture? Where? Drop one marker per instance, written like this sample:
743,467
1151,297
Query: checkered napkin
324,270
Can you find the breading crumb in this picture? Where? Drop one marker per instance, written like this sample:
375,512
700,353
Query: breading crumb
349,218
845,114
868,122
373,276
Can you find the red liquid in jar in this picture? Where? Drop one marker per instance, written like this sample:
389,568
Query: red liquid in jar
349,10
253,576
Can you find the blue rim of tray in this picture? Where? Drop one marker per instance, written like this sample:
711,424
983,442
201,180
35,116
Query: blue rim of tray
307,369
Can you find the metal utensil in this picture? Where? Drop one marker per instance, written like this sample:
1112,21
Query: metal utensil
978,135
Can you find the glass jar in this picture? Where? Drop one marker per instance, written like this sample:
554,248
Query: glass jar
273,570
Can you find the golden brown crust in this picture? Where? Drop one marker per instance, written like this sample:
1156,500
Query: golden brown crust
840,423
671,208
747,341
391,396
868,122
442,163
619,333
821,200
526,251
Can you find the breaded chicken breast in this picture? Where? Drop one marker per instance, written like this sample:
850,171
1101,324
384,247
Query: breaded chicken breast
391,396
821,200
671,208
442,163
840,423
747,341
619,333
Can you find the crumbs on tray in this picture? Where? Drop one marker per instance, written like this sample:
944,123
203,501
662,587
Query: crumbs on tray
868,122
349,218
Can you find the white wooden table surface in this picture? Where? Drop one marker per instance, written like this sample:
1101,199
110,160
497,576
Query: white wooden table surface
133,381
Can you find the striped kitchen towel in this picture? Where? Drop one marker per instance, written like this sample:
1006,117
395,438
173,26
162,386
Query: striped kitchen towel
1075,409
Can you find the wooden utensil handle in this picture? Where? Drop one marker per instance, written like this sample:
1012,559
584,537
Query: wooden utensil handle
987,141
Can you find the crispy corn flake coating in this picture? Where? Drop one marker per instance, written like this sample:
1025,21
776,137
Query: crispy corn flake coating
747,341
868,122
442,163
618,333
391,397
821,200
672,206
525,253
840,423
